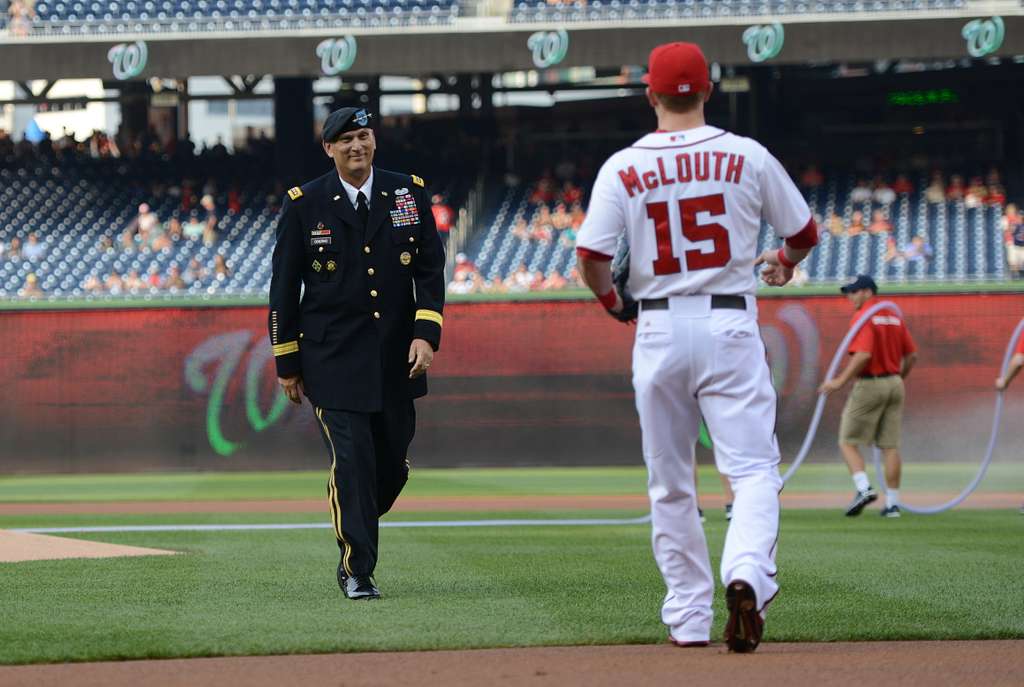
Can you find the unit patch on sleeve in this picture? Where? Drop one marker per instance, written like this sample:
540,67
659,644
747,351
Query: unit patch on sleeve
404,213
295,193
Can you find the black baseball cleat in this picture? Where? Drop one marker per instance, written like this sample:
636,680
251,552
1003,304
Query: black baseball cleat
360,588
700,512
890,512
728,511
861,499
357,587
744,627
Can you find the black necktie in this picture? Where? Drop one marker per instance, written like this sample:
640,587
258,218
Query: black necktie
362,208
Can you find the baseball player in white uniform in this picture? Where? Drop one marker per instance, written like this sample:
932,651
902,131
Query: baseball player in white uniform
691,199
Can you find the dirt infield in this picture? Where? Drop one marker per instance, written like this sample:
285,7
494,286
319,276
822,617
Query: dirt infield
17,547
936,664
412,504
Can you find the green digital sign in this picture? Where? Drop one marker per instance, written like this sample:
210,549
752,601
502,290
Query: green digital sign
934,96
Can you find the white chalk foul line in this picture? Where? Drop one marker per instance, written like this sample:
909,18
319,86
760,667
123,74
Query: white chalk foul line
583,522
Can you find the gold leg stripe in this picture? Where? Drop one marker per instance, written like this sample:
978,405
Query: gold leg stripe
333,499
286,348
430,316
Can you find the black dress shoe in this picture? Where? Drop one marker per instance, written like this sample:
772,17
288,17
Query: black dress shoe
359,587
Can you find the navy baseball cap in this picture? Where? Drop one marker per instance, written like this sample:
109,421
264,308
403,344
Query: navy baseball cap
345,119
862,281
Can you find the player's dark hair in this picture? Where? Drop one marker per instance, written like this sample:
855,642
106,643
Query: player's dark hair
681,103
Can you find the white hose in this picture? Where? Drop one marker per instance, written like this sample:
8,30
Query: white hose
819,408
996,418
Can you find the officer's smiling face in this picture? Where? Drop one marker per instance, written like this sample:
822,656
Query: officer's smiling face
353,154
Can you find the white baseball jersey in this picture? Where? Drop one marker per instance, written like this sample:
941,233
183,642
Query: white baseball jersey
691,203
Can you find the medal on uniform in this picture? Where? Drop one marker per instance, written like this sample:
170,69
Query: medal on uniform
331,265
317,266
404,213
321,236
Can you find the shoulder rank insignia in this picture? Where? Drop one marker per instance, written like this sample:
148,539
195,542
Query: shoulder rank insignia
418,181
295,193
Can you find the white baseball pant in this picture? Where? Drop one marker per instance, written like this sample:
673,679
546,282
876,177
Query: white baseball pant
691,360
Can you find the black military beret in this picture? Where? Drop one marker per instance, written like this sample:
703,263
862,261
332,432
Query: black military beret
345,119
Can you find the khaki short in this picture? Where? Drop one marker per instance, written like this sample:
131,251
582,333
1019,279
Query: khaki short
1015,256
873,413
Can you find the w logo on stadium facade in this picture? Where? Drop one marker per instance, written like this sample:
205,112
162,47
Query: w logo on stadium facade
128,59
764,41
984,36
336,55
549,47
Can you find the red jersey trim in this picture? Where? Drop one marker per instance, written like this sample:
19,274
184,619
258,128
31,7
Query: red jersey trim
685,145
592,255
806,237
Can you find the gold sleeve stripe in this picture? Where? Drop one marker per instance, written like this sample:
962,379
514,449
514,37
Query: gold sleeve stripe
286,348
418,180
430,316
295,193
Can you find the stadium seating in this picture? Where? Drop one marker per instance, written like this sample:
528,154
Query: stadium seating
967,243
71,207
100,17
638,10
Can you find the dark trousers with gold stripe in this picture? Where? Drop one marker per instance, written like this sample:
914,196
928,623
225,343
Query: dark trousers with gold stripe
368,454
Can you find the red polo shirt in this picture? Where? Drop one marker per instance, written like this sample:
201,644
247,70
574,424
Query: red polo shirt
1020,346
885,337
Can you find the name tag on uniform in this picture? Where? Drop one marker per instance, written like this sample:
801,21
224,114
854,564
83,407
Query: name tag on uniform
404,212
320,241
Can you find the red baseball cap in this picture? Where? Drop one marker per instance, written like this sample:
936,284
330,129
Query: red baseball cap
677,69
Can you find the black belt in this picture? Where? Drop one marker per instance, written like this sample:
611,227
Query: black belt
893,374
726,302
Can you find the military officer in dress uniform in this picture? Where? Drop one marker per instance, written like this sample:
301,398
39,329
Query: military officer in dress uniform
359,339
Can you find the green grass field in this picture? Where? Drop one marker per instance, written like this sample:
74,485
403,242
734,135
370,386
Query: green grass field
259,592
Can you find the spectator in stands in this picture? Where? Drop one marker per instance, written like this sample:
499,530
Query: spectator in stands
575,280
544,191
1013,228
537,282
856,223
883,193
461,283
113,283
209,220
34,248
521,230
578,215
993,177
996,196
936,191
221,271
138,232
31,289
444,217
14,249
560,218
542,229
153,277
835,225
568,238
879,224
174,280
902,185
955,190
975,194
917,251
21,16
554,282
812,177
133,282
234,200
92,284
571,194
173,229
193,228
195,272
105,244
520,280
464,265
861,193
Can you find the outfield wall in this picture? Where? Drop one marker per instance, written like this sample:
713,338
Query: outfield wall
535,383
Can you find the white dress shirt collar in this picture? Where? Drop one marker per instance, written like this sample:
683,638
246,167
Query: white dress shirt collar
353,192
